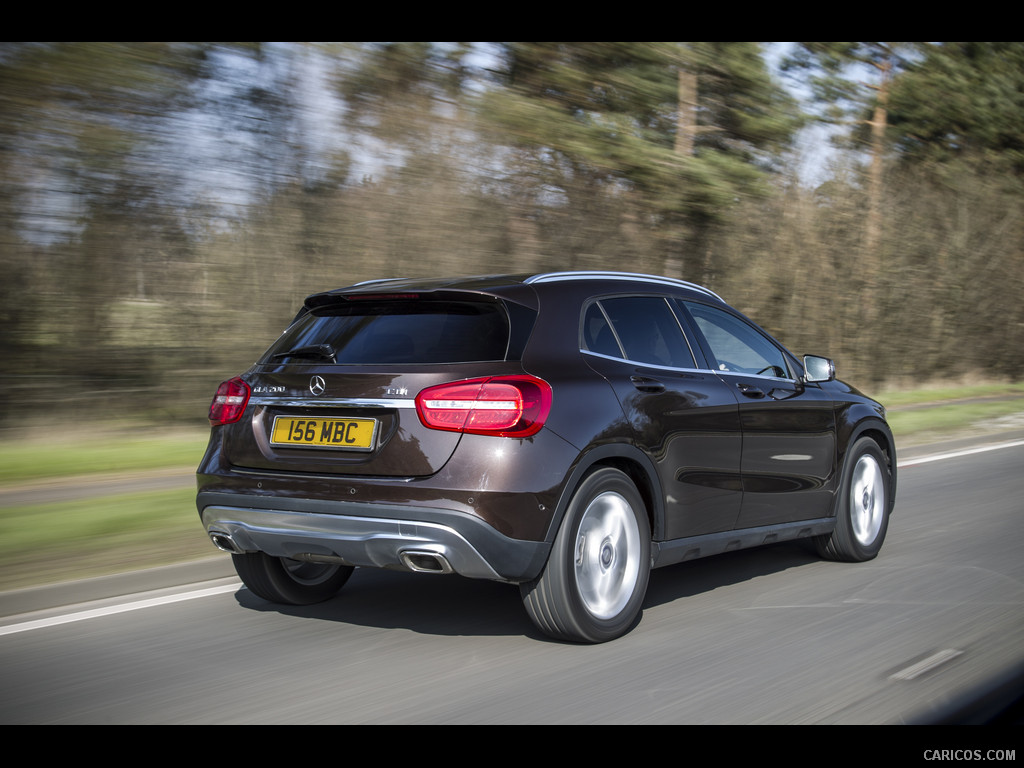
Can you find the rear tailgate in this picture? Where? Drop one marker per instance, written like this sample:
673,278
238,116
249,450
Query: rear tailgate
335,394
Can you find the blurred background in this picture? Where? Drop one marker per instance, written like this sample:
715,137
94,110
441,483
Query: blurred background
165,207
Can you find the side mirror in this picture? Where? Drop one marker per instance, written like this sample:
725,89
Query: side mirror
818,369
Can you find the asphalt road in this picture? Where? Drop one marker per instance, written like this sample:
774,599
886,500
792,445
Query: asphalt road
933,625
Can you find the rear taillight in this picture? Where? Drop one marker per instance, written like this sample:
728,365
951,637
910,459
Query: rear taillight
229,403
504,406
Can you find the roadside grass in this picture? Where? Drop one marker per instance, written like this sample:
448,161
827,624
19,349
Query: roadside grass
52,542
918,426
41,454
935,413
47,543
943,394
99,535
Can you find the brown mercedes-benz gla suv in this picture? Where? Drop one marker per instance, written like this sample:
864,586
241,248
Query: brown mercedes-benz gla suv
565,432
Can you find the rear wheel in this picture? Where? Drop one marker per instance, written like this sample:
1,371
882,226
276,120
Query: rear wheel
292,582
862,517
593,586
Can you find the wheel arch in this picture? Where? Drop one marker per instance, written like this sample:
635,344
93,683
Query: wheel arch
629,460
878,431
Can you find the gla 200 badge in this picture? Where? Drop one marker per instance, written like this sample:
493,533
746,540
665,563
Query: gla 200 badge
317,385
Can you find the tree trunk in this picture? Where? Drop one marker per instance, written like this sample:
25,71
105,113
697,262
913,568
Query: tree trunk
686,122
878,124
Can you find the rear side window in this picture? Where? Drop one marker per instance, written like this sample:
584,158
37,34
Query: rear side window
417,331
643,329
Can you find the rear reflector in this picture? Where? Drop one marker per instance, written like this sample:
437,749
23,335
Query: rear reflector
503,406
229,403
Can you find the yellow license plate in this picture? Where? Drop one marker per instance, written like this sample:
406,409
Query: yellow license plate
305,432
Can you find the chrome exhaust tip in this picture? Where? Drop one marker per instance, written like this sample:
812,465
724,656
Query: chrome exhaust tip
225,543
424,561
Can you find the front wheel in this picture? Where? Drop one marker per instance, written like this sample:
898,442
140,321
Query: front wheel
291,582
862,517
593,586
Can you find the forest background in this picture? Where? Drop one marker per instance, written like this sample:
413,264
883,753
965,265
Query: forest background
164,207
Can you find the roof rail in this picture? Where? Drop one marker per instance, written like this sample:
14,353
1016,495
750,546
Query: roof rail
377,280
550,277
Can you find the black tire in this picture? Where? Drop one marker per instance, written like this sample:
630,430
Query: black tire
291,582
862,513
592,588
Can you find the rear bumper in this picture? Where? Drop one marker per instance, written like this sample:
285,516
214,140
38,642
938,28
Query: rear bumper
399,537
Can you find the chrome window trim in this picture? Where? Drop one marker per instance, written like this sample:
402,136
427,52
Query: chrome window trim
690,370
756,376
638,364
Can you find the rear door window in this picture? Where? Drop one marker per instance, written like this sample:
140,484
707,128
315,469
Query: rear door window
643,329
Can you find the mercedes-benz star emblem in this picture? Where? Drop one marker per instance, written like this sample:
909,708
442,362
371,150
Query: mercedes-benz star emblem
317,385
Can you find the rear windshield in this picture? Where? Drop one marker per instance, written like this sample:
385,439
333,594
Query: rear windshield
396,331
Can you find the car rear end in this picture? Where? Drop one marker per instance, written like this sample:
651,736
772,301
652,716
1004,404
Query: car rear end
391,425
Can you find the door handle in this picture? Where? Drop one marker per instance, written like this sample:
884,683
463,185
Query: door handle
749,390
645,384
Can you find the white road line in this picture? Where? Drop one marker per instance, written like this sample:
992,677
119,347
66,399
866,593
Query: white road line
957,454
926,665
112,609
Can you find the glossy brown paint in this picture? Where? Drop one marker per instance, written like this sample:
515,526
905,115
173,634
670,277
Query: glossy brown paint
688,423
789,452
513,485
706,458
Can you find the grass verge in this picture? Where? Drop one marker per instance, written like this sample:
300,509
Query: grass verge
940,395
43,454
47,543
918,426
